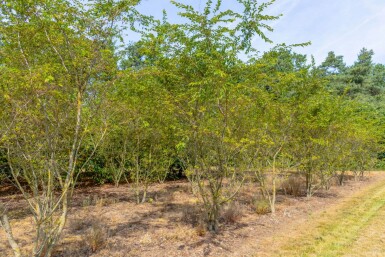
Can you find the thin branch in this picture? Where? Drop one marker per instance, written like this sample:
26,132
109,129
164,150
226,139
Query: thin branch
56,51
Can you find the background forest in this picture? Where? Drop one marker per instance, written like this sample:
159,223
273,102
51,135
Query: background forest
78,107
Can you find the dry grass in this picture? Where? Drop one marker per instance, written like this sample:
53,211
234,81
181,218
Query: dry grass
106,221
232,213
342,229
293,186
96,236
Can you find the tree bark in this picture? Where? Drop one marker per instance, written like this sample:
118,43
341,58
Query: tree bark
8,231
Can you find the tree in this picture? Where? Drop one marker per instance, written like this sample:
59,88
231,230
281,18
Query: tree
199,63
56,58
333,64
270,117
143,135
361,69
377,80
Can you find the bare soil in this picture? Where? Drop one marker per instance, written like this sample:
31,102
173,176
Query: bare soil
106,221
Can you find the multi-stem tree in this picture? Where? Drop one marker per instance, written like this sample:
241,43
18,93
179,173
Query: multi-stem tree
141,140
56,57
200,65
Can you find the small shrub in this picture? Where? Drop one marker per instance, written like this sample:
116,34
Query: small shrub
232,213
98,201
292,186
146,239
191,215
96,236
201,229
79,224
2,177
87,201
262,207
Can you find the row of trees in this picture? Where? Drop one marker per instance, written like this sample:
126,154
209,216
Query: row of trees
179,98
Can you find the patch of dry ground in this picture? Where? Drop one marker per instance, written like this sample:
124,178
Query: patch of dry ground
106,221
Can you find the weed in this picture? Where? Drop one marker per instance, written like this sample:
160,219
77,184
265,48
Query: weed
180,233
293,186
96,236
191,215
79,224
87,201
98,201
146,239
201,229
232,213
262,207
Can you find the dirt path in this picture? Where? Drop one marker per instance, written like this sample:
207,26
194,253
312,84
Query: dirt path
354,227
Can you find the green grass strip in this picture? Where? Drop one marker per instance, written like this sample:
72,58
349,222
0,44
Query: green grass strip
337,232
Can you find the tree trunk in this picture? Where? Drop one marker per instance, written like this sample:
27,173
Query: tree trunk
213,216
4,222
309,183
341,178
144,195
273,197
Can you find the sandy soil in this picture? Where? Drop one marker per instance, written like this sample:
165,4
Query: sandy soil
106,221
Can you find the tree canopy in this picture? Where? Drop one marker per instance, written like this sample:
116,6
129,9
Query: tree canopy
179,101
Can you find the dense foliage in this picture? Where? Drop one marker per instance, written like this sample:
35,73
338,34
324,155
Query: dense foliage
179,102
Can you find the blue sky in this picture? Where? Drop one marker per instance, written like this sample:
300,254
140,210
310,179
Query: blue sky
342,26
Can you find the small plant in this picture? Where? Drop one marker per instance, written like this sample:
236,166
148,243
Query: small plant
191,215
262,207
292,186
99,201
79,224
146,239
87,201
232,213
96,236
201,229
2,177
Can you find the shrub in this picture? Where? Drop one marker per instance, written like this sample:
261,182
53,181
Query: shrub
232,213
191,215
201,229
262,207
96,236
292,186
